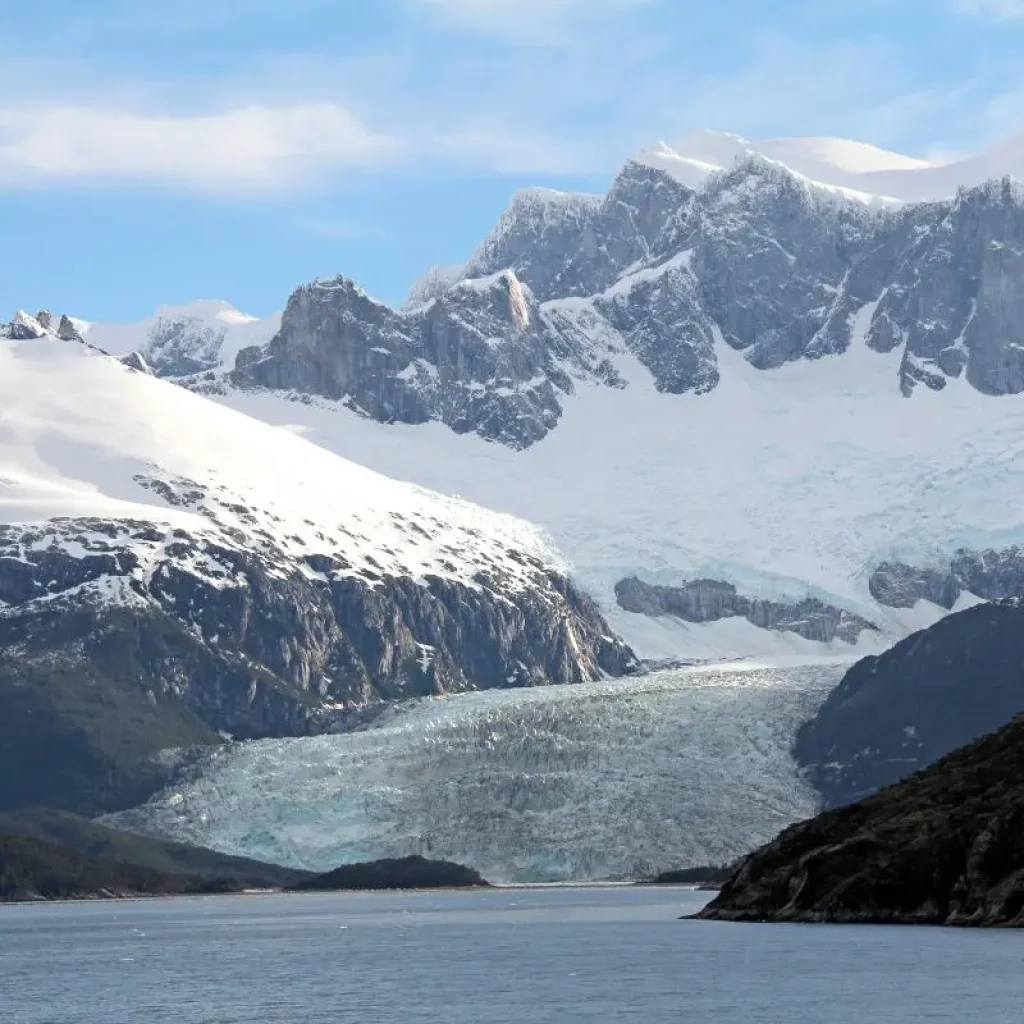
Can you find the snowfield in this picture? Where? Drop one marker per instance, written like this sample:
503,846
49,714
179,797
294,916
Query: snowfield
82,435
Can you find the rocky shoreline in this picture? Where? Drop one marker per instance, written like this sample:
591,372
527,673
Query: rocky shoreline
944,847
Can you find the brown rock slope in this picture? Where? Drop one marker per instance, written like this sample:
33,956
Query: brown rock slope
945,846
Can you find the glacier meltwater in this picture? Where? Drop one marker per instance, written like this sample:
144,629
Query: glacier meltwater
572,783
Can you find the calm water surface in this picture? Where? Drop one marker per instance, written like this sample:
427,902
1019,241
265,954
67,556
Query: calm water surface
503,957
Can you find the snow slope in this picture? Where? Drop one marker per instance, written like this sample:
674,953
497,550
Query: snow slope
861,170
788,483
82,435
559,783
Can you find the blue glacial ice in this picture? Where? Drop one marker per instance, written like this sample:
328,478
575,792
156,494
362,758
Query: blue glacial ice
601,781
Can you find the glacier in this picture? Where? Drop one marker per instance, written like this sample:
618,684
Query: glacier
600,781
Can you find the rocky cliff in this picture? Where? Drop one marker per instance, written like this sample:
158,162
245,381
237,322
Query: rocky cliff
711,600
944,847
897,713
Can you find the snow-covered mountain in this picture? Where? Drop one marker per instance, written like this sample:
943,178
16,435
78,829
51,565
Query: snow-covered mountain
855,169
181,340
759,414
188,569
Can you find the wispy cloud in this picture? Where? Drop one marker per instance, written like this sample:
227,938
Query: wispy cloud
251,147
1001,10
538,22
474,85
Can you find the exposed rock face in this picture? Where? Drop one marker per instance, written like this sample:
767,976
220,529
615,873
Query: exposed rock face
711,600
27,328
757,259
67,331
990,574
573,245
902,586
943,847
136,361
190,636
22,328
481,358
896,713
956,304
179,346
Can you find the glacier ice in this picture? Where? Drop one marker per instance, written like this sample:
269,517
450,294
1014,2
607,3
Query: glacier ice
599,781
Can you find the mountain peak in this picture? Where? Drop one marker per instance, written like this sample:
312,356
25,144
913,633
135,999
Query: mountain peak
835,163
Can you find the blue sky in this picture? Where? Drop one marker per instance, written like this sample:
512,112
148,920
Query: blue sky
159,152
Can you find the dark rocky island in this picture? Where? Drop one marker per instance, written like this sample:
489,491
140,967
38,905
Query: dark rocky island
402,873
943,847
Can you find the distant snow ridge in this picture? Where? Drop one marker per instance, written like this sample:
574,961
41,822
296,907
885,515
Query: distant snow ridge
576,784
178,341
861,170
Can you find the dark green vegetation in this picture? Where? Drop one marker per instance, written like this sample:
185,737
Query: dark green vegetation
943,847
932,693
126,849
403,873
32,869
92,695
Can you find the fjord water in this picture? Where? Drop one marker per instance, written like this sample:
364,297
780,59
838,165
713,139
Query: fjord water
547,956
609,780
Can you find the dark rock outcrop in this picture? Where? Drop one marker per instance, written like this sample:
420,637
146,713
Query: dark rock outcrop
898,585
944,847
479,358
935,691
992,575
711,600
402,873
67,331
136,361
578,245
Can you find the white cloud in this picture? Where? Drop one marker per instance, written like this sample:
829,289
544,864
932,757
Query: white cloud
528,21
1001,10
255,147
